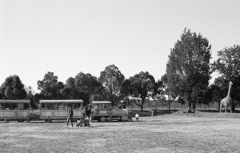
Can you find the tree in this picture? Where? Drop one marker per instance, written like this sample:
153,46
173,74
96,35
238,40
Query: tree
13,88
112,80
88,86
166,91
218,88
228,66
142,85
70,91
50,86
188,69
30,96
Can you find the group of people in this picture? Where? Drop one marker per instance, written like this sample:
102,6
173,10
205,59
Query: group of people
87,114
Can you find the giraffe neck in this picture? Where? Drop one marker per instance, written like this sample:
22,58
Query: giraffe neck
229,90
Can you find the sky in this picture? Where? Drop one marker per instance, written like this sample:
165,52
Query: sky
72,36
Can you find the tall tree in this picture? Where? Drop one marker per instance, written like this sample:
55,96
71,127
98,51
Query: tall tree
13,88
142,85
228,66
112,80
50,86
188,69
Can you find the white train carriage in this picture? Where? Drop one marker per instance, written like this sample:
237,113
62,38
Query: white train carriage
57,109
15,110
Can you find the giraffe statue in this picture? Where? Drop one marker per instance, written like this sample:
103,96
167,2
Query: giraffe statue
227,101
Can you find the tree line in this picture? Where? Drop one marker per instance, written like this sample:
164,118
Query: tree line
188,72
111,86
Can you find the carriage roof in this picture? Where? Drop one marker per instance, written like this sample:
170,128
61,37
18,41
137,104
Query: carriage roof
101,102
61,101
14,101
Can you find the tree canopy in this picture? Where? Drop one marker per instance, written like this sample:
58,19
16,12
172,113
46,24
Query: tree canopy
188,67
112,80
50,87
12,88
141,86
228,66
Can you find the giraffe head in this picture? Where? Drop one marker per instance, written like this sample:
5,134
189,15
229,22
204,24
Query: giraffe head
230,83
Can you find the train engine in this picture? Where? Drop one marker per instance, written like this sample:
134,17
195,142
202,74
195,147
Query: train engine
103,111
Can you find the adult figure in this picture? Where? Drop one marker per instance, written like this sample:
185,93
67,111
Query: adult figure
88,113
70,114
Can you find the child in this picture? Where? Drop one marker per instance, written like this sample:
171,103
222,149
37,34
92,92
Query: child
137,117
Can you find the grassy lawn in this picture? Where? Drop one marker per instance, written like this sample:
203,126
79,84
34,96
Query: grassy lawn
176,132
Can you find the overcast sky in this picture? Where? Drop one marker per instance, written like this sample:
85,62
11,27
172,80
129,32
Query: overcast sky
67,37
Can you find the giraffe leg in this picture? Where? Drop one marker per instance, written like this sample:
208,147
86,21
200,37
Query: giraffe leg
225,109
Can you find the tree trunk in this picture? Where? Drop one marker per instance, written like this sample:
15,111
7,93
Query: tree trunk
189,105
143,100
169,105
219,103
233,106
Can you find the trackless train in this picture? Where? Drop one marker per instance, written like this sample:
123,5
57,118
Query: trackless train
49,110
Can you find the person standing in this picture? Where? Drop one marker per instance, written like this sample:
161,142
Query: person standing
70,114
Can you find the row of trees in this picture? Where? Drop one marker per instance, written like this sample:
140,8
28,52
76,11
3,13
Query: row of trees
187,76
111,85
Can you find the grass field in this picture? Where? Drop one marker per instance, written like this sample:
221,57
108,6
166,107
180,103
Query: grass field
177,132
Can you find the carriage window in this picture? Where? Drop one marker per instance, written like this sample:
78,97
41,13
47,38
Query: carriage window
42,106
2,107
54,106
49,106
75,106
104,106
13,106
20,106
62,106
7,106
24,106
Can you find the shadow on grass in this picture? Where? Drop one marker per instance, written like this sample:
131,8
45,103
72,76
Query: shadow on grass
217,111
146,113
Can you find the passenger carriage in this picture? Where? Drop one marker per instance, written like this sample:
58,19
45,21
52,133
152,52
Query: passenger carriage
15,110
57,109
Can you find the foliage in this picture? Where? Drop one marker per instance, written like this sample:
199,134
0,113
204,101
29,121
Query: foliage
141,85
87,86
228,66
50,86
30,96
219,89
12,88
112,80
188,69
69,91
